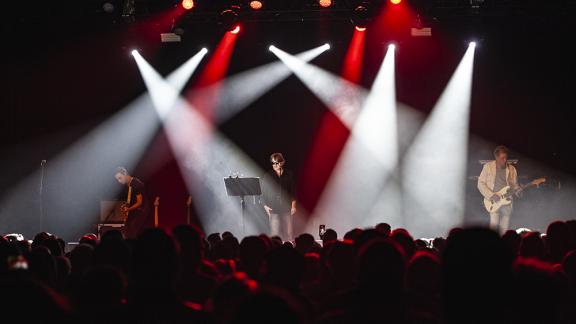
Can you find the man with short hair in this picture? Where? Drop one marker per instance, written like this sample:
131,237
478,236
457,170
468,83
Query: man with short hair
496,175
136,203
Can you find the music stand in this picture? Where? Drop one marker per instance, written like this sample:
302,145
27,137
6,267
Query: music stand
241,187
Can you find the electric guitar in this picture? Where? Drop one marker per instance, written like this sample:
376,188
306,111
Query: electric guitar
506,195
123,210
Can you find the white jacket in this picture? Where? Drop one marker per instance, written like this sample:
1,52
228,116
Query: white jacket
487,178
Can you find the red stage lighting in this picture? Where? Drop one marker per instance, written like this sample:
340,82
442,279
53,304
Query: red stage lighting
325,3
360,29
187,4
256,5
236,30
395,2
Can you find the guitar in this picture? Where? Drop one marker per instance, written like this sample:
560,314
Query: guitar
506,195
123,210
156,205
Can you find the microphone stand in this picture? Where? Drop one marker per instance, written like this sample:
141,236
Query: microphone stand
41,194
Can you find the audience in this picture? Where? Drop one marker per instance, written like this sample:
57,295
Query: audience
372,275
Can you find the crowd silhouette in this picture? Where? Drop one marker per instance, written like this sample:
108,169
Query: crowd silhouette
373,275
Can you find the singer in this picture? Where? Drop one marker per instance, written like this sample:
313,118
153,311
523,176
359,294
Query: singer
280,198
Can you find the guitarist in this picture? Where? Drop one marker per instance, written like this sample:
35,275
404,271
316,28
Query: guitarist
135,205
496,175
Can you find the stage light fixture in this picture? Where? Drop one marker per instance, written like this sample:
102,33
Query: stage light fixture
229,19
108,7
472,44
395,2
134,52
325,3
188,4
256,5
360,17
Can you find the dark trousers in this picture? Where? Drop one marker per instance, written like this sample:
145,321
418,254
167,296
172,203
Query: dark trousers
135,224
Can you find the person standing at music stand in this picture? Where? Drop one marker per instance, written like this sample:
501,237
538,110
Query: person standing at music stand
135,205
496,175
279,198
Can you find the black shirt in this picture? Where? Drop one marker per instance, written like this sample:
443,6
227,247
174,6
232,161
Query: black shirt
138,189
279,191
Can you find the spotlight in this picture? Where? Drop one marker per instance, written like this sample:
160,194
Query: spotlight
229,19
472,44
256,5
188,4
204,50
236,30
325,3
360,17
134,52
271,48
395,2
327,46
108,7
391,47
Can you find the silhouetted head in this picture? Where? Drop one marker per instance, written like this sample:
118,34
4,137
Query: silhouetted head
285,268
191,250
154,259
353,234
340,262
90,239
304,243
81,258
512,241
41,263
383,228
403,237
532,246
252,252
381,265
423,274
40,239
476,275
312,268
557,240
230,294
329,236
268,306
